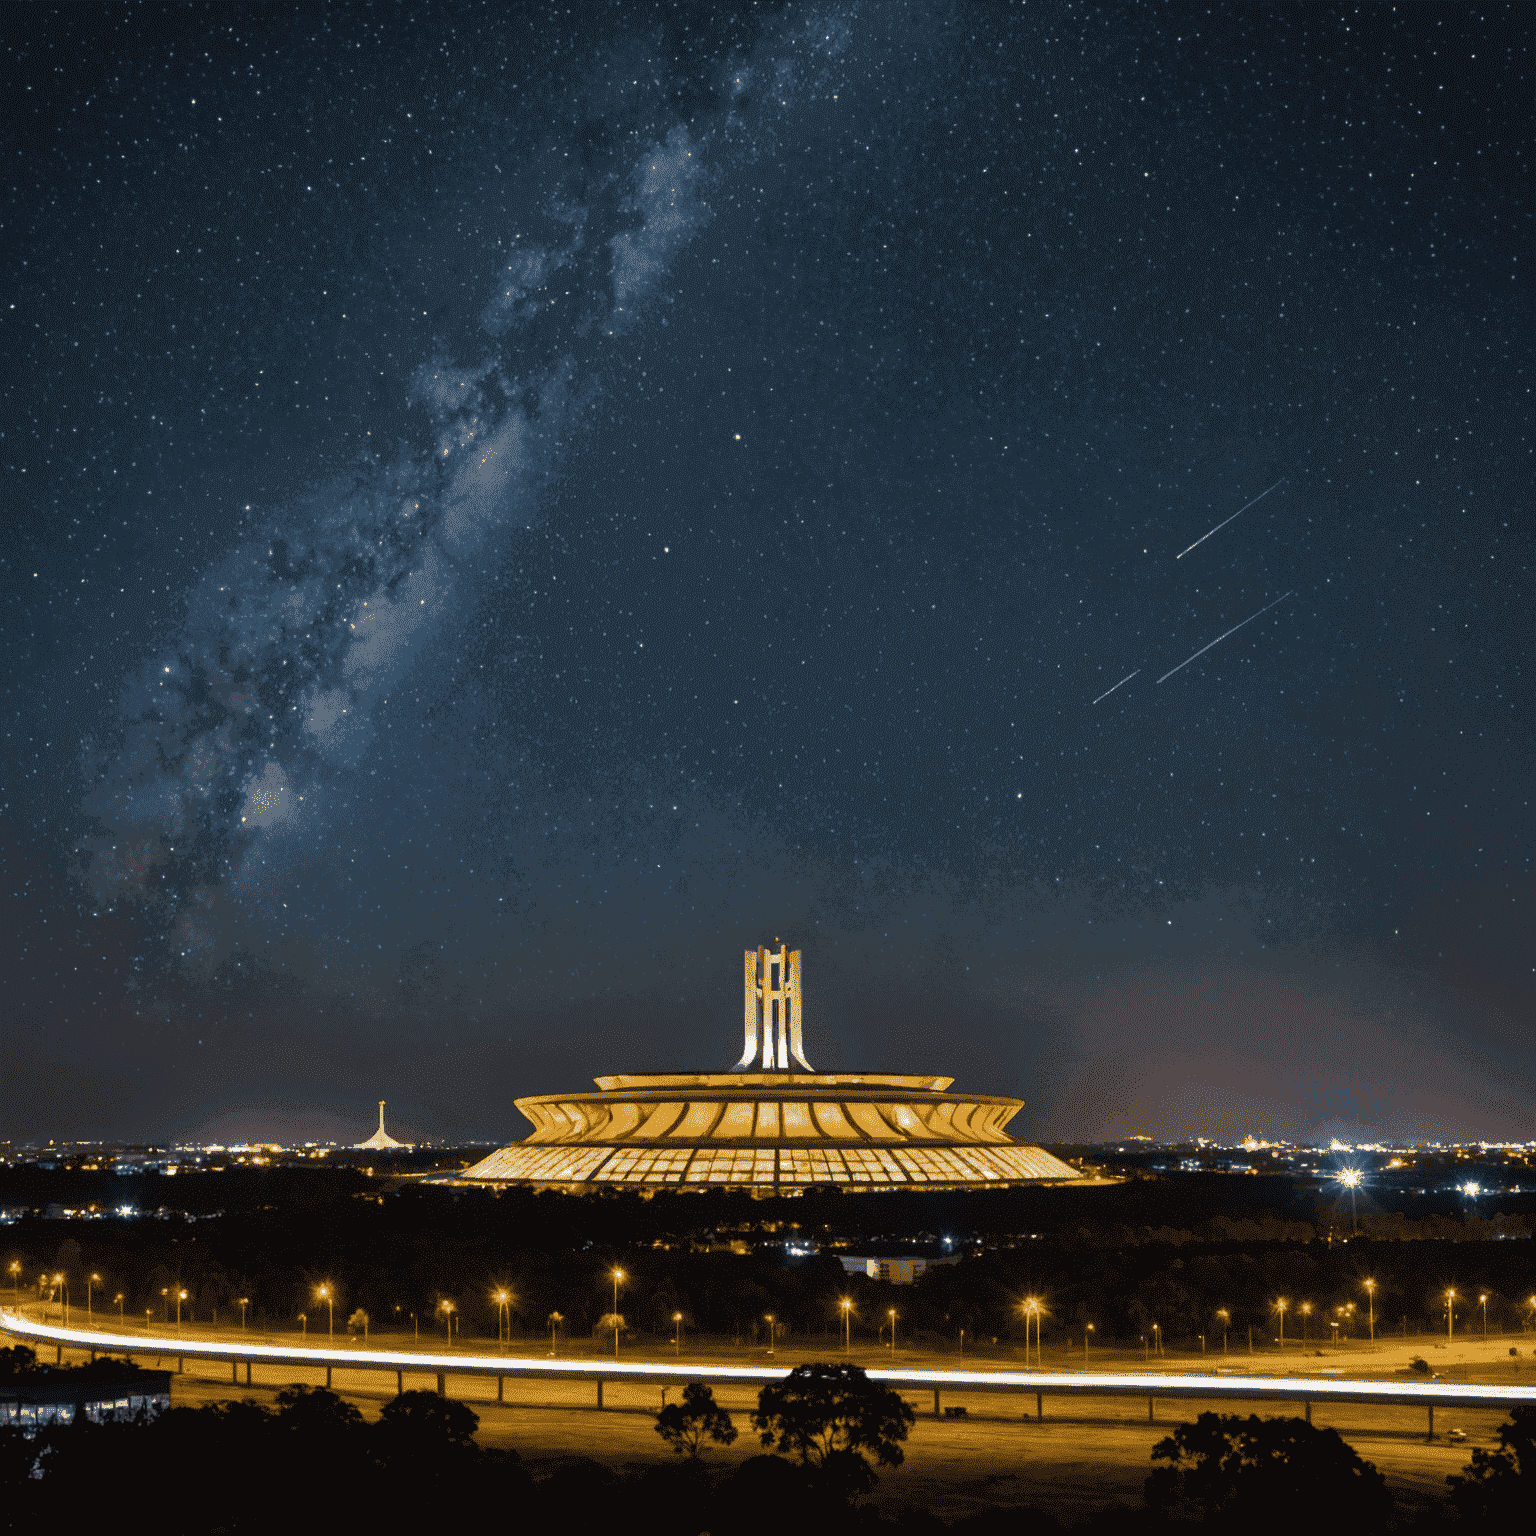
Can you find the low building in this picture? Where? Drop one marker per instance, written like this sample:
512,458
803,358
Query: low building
49,1397
899,1271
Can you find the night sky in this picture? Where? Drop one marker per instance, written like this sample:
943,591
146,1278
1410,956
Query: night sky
507,506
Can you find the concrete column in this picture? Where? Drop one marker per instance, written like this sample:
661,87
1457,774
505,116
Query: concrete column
58,1354
599,1394
1150,1419
234,1372
1309,1413
327,1376
1039,1407
1431,1421
247,1373
180,1365
935,1402
442,1384
399,1383
500,1383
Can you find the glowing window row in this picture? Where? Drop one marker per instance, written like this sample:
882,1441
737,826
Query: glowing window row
733,1167
641,1166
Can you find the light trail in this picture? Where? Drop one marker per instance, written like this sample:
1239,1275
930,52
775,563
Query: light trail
1128,676
1219,638
1045,1383
1219,526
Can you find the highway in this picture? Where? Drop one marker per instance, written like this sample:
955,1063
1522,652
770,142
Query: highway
1291,1389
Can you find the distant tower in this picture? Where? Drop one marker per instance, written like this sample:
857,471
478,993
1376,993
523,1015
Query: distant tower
380,1137
773,1009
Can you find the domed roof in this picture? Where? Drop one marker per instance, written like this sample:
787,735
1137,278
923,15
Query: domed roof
769,1131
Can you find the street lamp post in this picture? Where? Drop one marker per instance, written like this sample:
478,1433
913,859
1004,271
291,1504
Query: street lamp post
1031,1309
181,1296
92,1281
503,1312
119,1300
1226,1322
555,1319
1351,1179
1306,1314
1280,1308
847,1307
618,1276
16,1280
1370,1291
304,1326
62,1282
245,1301
891,1313
149,1312
677,1335
1087,1334
165,1305
1157,1338
1450,1304
772,1328
1482,1301
328,1296
446,1307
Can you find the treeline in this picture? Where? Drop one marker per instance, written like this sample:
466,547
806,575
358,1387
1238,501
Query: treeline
313,1462
401,1260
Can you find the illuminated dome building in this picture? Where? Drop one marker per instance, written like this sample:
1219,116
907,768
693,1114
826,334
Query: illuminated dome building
779,1129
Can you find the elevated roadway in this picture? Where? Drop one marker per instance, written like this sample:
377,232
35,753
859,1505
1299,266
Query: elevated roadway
1152,1386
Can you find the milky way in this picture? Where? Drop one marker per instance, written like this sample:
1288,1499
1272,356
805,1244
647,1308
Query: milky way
512,509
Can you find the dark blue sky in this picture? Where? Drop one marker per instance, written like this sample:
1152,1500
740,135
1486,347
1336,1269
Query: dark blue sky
507,507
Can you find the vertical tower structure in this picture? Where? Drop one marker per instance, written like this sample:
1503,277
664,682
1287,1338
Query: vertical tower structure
773,1009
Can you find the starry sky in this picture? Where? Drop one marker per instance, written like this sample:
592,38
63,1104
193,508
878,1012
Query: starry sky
508,506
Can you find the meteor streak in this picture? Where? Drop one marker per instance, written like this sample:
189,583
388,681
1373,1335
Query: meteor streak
1128,676
1219,638
1219,526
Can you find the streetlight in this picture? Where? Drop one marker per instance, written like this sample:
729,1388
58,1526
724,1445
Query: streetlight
618,1276
1370,1291
891,1313
1306,1314
677,1334
1031,1307
245,1301
181,1296
91,1282
772,1328
16,1279
1450,1299
1157,1339
304,1326
328,1296
1087,1334
1226,1322
149,1312
119,1300
1351,1179
1280,1308
1482,1301
503,1303
165,1304
847,1307
63,1287
555,1319
446,1308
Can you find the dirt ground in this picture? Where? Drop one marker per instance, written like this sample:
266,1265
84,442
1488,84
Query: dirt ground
1087,1453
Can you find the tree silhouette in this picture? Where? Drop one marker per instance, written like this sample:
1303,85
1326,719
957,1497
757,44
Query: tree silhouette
1498,1483
826,1414
1225,1467
685,1426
